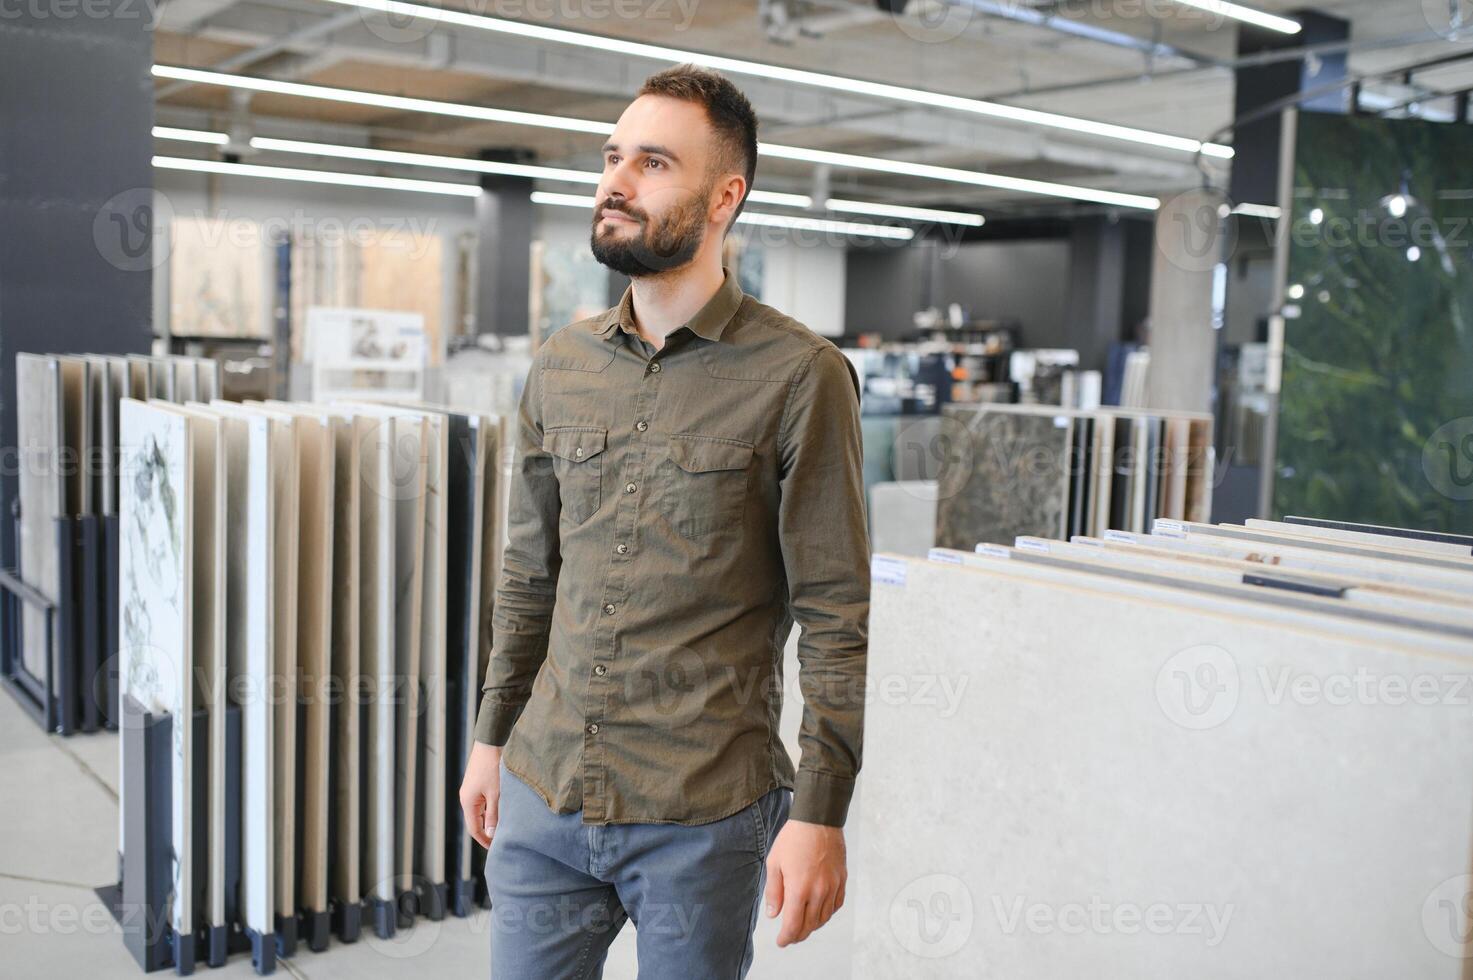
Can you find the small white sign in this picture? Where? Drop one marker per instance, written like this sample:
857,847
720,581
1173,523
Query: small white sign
1123,537
1031,544
993,551
889,571
944,555
1169,529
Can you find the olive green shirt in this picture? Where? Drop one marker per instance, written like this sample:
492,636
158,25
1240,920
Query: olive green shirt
672,514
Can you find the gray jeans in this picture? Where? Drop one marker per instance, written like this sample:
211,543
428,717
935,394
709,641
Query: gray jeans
561,891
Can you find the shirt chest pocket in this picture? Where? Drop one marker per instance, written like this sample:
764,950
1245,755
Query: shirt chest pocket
704,483
577,460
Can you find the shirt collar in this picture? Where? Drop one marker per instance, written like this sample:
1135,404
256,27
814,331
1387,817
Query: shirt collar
709,322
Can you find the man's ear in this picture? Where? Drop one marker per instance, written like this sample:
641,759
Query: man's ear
727,196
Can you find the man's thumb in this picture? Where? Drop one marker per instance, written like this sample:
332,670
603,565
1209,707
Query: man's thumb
773,897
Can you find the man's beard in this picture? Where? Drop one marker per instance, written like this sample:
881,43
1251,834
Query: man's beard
664,244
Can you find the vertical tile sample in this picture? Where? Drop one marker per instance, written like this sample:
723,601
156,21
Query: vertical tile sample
250,574
465,478
76,420
428,865
1104,472
376,636
1018,483
156,605
42,493
206,428
345,784
316,471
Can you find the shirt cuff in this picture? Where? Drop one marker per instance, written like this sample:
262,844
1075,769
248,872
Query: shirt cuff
495,720
822,798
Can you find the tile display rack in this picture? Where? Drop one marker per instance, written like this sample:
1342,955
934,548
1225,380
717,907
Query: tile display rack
78,690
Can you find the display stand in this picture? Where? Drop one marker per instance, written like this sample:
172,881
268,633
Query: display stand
106,682
74,694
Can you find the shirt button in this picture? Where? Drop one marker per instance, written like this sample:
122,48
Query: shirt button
600,670
622,549
655,368
578,452
609,609
630,487
593,728
641,425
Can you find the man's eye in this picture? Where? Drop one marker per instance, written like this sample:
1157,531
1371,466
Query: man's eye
654,164
610,161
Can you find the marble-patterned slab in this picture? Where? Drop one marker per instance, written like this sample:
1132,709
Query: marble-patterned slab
1238,865
156,600
1018,483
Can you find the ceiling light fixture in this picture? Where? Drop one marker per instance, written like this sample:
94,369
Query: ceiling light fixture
756,218
797,76
316,176
190,135
1237,11
536,172
775,150
905,211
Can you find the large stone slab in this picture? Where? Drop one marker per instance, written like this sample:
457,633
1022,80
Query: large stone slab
1139,803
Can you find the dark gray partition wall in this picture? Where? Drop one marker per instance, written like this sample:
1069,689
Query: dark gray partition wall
76,216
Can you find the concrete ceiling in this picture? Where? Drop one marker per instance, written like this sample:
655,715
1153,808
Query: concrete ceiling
1167,69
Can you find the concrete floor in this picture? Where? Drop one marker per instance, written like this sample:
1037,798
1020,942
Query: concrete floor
58,842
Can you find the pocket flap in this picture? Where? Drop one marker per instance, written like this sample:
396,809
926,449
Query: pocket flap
703,454
576,443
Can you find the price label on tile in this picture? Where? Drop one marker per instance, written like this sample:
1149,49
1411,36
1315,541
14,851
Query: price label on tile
1031,544
944,555
1120,537
1169,529
993,551
887,571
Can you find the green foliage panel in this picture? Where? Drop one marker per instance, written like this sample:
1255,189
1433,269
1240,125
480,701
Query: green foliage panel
1376,407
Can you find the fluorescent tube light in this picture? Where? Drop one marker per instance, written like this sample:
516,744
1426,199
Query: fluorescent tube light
776,150
905,211
755,218
317,176
1235,11
533,171
398,102
190,135
797,76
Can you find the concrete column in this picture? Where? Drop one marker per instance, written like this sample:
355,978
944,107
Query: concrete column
1183,343
504,251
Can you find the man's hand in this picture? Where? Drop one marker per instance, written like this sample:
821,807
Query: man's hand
805,877
480,792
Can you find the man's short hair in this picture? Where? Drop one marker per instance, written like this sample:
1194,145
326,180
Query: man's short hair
731,116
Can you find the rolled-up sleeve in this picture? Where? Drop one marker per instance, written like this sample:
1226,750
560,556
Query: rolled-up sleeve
825,547
531,561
